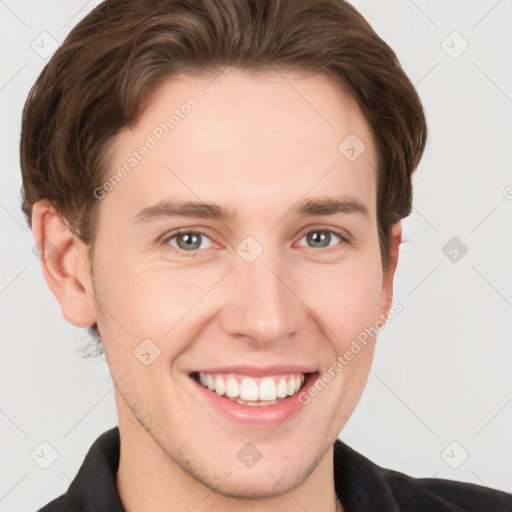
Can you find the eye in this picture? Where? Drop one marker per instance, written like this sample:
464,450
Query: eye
191,241
188,241
322,238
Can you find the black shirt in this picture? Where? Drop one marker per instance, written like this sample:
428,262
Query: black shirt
361,486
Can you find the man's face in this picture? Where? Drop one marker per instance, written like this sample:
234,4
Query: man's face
265,287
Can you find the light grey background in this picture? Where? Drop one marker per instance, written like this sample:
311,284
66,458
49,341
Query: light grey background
442,367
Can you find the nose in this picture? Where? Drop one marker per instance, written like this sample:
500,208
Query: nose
261,305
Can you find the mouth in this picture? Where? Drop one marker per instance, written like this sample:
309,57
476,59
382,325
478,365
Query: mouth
253,396
252,391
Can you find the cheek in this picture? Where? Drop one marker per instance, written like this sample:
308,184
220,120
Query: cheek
149,298
346,297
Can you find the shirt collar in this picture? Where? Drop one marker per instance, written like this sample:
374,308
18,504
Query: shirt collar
94,487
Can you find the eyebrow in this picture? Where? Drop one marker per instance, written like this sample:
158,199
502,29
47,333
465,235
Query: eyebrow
200,209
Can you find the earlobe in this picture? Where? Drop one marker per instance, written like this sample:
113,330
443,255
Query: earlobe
65,265
389,273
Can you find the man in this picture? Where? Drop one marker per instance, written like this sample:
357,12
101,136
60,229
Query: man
221,183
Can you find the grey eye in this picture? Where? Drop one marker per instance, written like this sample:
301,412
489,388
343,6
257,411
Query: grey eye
320,238
188,240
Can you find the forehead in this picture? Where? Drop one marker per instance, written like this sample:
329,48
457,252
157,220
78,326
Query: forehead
248,139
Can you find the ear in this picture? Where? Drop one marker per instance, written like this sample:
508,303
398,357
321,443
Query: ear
65,265
389,273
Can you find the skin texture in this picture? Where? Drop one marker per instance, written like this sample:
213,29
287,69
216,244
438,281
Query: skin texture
257,143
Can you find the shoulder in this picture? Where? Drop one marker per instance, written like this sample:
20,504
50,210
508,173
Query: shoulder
95,481
56,505
363,485
450,495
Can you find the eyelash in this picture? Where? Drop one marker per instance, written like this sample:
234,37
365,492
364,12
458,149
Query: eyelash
340,234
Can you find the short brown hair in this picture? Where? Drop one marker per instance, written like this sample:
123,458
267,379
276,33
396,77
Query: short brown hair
98,80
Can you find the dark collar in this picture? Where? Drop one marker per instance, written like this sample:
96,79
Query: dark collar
94,488
361,485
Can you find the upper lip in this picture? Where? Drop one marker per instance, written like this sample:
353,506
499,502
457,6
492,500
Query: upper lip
259,371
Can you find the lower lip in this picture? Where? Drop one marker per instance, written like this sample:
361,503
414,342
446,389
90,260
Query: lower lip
257,415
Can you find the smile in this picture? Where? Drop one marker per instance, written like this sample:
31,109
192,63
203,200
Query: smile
263,399
254,391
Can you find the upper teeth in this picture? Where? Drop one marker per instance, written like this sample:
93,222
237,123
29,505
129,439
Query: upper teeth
248,388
